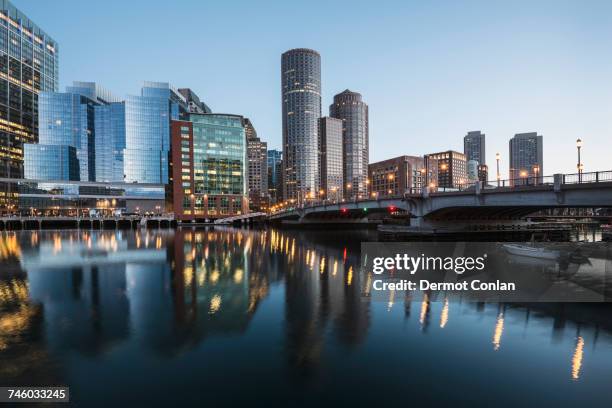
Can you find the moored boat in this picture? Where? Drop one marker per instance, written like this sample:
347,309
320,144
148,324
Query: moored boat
531,251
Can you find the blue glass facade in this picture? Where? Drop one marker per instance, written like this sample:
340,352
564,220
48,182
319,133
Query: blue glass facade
219,154
274,161
28,65
63,159
109,126
147,122
275,169
67,119
74,119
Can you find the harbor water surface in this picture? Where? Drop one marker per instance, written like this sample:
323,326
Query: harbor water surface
225,317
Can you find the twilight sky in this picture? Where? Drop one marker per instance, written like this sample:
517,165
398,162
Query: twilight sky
429,70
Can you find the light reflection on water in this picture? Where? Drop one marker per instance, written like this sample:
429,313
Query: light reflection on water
238,315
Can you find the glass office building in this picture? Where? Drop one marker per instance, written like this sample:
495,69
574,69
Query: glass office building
65,119
65,165
275,170
147,127
110,141
28,65
209,166
68,119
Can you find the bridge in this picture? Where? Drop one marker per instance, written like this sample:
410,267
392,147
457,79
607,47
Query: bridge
242,218
497,202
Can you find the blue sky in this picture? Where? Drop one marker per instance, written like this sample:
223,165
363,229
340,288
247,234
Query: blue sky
429,70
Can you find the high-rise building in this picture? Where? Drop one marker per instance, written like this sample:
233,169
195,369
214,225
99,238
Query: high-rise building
397,176
301,107
28,65
147,136
330,132
68,120
474,146
451,169
194,104
257,170
350,108
51,162
275,172
110,141
526,158
209,167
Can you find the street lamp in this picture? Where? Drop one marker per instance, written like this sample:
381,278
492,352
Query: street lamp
523,175
536,171
497,157
578,147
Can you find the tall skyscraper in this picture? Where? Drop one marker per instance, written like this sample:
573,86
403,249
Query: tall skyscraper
474,146
301,99
353,111
66,120
330,132
209,166
28,65
110,141
147,138
275,172
257,168
526,158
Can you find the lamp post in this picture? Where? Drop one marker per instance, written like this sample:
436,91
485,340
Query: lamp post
497,157
578,147
523,175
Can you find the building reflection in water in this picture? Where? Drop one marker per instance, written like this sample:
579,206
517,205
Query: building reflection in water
499,330
577,358
90,292
444,314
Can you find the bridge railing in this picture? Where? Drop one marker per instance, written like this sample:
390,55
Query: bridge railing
591,177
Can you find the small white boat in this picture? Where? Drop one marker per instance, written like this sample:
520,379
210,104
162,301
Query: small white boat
531,251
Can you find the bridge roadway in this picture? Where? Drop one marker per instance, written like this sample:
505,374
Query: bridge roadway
474,205
242,218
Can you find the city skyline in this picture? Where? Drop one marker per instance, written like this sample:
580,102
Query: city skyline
426,106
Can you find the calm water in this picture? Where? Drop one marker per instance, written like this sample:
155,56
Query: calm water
225,317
